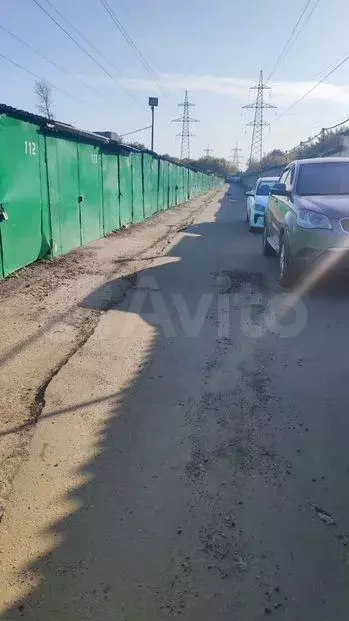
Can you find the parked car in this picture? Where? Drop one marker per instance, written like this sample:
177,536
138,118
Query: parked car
257,201
307,216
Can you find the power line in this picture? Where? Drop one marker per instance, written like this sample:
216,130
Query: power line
289,43
127,37
38,77
185,120
344,60
301,28
98,51
52,62
136,131
327,68
132,44
81,47
284,49
66,20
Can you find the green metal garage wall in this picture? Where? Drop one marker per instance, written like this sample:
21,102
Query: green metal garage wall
126,189
90,192
150,184
58,191
24,226
110,193
137,188
172,182
163,185
63,192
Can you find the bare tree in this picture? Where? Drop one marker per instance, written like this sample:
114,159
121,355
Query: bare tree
43,91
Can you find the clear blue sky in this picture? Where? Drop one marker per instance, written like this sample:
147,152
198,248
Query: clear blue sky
215,50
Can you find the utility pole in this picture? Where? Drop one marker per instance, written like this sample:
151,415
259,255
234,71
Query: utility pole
322,141
153,103
185,120
208,151
258,122
152,128
236,157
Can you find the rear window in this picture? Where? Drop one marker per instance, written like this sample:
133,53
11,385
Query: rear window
264,186
323,179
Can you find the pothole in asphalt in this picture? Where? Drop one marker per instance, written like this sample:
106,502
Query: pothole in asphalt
235,281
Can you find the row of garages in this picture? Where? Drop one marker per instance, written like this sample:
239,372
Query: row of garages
61,188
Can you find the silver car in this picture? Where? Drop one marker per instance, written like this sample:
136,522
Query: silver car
307,217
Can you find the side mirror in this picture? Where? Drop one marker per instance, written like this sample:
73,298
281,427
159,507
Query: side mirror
279,189
249,193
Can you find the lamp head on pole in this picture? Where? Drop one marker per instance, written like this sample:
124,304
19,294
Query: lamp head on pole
153,102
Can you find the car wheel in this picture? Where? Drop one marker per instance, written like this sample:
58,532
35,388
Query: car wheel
247,218
268,250
287,275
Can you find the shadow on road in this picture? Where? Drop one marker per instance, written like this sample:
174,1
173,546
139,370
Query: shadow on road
153,536
160,527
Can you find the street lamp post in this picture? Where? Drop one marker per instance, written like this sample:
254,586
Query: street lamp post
153,103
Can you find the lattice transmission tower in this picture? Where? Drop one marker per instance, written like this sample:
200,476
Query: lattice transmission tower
236,157
185,120
208,151
258,122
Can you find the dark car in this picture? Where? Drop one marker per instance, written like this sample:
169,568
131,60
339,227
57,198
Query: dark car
307,217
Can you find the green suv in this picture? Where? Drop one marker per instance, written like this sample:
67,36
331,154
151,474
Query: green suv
307,217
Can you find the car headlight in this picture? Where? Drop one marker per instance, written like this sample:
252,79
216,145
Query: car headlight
313,220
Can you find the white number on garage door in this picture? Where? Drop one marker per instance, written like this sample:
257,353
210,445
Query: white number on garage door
30,148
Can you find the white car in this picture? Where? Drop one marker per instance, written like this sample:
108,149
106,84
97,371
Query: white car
257,201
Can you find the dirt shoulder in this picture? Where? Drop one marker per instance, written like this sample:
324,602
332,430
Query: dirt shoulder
43,324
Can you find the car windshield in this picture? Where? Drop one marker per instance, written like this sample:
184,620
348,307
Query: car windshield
264,186
323,179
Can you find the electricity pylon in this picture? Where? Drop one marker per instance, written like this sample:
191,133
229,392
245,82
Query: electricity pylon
185,120
236,157
208,151
258,122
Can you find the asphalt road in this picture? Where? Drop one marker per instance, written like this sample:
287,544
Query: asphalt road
207,476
